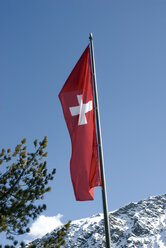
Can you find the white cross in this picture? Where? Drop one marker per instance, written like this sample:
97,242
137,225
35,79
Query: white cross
81,110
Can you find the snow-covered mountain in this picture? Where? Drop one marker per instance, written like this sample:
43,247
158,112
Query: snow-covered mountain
135,225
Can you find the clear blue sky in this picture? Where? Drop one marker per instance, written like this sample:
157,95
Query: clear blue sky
40,42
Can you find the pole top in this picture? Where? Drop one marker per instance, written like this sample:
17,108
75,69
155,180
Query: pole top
90,36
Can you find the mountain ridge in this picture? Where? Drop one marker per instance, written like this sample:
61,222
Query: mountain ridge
136,225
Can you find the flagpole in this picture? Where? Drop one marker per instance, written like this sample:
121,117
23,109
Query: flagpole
100,149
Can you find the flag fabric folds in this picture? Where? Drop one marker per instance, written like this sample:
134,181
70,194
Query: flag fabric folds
77,102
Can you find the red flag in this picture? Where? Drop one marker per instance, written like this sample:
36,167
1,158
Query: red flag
77,102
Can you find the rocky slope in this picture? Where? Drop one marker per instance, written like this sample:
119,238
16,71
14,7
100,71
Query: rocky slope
135,225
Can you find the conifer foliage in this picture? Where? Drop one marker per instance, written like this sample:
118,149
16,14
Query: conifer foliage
24,181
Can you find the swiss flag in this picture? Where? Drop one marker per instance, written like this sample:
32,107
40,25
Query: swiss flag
77,102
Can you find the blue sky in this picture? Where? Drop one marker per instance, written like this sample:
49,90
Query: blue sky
40,42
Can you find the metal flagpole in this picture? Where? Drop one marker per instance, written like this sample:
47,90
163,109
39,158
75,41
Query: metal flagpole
100,150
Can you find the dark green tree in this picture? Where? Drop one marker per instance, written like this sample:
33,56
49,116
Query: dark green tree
24,181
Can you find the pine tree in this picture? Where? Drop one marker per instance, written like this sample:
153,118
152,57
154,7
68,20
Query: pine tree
24,181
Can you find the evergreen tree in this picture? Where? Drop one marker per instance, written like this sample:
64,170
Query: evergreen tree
24,181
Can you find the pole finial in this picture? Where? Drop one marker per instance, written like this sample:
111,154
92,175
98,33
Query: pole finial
90,36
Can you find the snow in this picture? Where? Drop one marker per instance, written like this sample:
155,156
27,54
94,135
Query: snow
136,225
